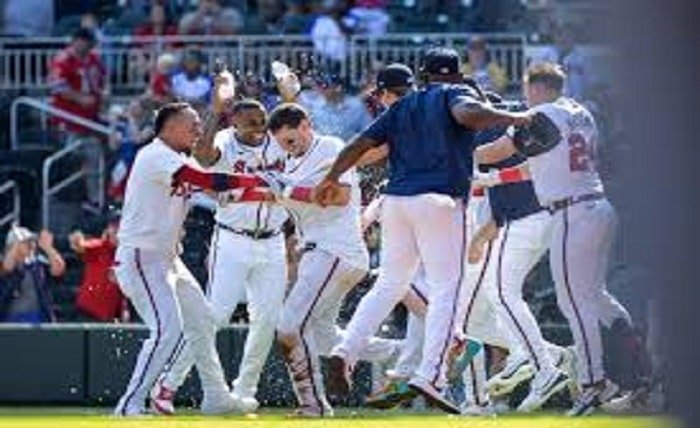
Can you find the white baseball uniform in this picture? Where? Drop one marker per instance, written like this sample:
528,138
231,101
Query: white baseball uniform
151,274
567,183
246,261
334,260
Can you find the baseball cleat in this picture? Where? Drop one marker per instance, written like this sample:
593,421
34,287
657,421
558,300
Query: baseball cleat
130,412
517,370
567,363
593,397
433,396
542,388
394,392
311,412
338,380
245,404
162,400
218,404
636,401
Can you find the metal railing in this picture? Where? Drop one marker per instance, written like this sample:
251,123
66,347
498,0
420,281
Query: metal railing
44,109
14,215
24,64
48,190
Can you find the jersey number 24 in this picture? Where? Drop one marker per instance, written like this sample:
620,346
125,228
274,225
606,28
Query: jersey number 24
580,153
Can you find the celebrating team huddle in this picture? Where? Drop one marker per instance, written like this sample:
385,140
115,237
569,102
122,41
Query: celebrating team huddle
476,195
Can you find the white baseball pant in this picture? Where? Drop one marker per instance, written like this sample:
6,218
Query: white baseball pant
307,327
520,245
172,305
240,269
411,349
480,319
428,228
579,251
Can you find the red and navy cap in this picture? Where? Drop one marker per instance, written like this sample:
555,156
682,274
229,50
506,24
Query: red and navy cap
441,61
395,75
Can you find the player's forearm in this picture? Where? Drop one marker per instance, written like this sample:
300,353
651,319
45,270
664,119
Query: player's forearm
477,116
373,155
497,177
349,157
204,151
495,152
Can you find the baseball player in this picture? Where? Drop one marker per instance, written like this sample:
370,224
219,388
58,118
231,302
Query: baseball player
148,268
560,146
392,83
523,230
334,257
430,138
247,258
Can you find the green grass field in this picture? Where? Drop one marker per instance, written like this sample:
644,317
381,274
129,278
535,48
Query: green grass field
89,418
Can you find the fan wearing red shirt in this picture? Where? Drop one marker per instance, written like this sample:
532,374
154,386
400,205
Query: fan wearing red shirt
77,80
99,295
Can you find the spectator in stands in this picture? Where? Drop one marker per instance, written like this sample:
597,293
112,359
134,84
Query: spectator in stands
331,30
77,84
99,295
337,112
372,18
269,19
580,79
161,86
91,22
488,74
297,19
24,276
211,17
27,18
253,86
133,129
579,74
192,84
158,24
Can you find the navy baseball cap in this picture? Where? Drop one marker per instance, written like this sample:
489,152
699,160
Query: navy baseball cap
395,76
441,61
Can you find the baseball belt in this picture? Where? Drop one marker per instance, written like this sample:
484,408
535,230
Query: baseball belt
573,200
253,234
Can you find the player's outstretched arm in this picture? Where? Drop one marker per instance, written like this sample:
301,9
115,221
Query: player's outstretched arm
350,156
478,116
329,191
515,174
374,155
217,182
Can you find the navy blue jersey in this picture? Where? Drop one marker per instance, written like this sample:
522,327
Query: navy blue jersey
512,201
429,152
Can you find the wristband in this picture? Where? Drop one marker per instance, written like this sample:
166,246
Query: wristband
510,175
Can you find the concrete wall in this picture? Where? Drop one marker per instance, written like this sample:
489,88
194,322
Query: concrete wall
90,364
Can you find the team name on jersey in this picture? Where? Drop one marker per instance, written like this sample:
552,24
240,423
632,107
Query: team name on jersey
241,167
580,120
